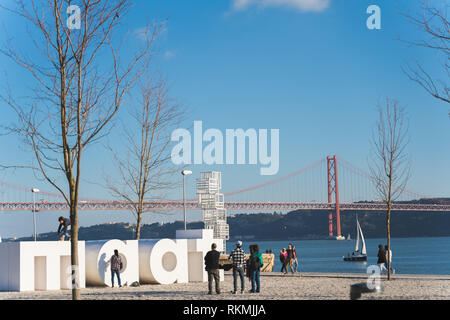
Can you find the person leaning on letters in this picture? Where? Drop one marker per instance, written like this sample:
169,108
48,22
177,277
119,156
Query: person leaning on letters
212,267
116,266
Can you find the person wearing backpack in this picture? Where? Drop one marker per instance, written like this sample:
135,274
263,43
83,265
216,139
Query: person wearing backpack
255,264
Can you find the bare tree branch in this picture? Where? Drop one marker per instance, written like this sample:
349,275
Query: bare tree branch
390,165
435,24
80,84
145,168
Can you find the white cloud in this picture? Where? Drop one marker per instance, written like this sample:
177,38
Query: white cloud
169,54
301,5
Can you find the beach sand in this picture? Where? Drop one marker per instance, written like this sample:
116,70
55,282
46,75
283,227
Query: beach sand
274,286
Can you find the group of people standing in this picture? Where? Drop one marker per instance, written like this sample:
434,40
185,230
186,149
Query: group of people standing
288,257
384,255
242,267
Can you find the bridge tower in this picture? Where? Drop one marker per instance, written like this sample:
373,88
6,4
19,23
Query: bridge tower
333,188
212,204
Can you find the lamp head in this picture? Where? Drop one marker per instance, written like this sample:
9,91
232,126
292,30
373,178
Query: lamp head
186,172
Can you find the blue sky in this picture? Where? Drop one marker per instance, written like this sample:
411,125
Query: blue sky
315,72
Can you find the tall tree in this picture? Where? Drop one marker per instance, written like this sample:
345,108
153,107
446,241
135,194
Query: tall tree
79,86
433,21
390,168
145,169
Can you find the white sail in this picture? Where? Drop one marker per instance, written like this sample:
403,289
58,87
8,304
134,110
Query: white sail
357,235
363,251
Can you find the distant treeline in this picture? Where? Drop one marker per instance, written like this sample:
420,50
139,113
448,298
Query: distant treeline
302,224
306,224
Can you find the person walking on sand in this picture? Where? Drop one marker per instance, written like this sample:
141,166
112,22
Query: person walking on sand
290,257
381,258
238,257
116,265
389,258
295,259
283,258
64,224
255,263
212,267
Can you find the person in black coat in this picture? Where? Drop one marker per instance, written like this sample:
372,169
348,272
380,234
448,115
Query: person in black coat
381,258
212,267
63,231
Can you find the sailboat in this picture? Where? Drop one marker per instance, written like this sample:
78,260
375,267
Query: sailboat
357,255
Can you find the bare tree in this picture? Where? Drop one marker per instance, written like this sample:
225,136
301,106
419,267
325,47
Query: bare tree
390,168
80,84
145,167
436,26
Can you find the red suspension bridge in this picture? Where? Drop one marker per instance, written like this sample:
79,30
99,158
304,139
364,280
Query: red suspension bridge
302,189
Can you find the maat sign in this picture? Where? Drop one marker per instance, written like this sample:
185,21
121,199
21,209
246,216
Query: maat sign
46,265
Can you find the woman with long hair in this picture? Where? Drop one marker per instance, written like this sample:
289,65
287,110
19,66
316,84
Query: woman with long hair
255,264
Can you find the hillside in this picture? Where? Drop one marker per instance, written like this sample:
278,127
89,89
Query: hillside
302,224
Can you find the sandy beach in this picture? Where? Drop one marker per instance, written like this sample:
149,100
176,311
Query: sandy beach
307,286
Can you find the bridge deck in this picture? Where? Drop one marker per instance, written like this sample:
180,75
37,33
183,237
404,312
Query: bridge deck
178,205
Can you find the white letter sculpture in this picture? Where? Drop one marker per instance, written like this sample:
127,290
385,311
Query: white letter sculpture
46,265
98,261
163,261
199,243
43,265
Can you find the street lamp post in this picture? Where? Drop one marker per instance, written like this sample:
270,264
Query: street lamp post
185,173
33,191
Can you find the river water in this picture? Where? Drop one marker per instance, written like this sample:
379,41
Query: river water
409,255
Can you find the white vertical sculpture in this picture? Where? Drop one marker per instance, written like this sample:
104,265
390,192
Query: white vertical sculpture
212,204
198,244
98,265
42,265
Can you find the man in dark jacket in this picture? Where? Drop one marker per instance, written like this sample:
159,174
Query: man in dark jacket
116,265
64,223
212,267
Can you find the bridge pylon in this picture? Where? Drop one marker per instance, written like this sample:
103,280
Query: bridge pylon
333,187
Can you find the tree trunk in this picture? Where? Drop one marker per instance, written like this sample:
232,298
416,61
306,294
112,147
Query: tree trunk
74,252
138,225
388,228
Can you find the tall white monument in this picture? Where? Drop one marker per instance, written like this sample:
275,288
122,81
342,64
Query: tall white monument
212,204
